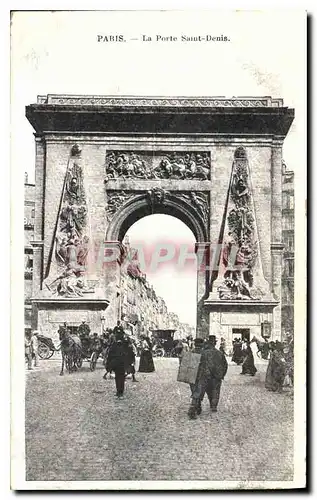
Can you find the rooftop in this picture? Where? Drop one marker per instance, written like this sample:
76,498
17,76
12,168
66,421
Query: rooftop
247,115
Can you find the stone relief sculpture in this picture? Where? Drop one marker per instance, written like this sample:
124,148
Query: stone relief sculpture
71,242
120,164
199,200
156,197
115,199
125,165
240,246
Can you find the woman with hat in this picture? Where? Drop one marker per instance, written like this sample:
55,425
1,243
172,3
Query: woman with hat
146,359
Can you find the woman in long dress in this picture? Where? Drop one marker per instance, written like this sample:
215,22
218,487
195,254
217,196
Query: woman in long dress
248,366
275,373
146,358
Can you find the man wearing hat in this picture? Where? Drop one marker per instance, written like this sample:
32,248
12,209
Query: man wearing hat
117,360
198,348
212,370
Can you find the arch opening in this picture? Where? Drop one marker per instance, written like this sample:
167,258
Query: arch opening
172,283
138,208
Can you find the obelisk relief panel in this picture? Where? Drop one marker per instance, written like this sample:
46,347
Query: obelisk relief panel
240,297
71,238
239,265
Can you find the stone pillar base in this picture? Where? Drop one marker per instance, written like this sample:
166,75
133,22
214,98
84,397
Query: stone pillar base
228,319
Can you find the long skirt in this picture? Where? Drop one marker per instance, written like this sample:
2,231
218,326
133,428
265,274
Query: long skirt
275,374
248,366
237,356
146,362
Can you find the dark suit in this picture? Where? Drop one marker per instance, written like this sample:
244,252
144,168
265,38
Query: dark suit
212,370
116,362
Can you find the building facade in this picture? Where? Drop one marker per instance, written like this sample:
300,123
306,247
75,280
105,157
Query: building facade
103,162
29,216
288,235
141,309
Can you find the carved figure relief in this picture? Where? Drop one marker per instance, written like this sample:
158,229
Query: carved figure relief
121,164
240,246
156,197
71,242
199,200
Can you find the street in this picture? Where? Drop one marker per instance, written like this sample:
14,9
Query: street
77,430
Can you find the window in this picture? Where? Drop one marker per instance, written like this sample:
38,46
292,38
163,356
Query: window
289,268
288,240
288,200
33,213
28,266
291,201
288,223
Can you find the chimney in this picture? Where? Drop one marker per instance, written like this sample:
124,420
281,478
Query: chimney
26,178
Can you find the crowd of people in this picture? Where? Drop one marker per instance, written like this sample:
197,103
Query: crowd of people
280,369
121,356
119,350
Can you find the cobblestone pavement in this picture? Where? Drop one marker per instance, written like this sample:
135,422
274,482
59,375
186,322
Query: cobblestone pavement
76,429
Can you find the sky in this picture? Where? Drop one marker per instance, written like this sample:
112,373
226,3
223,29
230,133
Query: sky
58,52
177,286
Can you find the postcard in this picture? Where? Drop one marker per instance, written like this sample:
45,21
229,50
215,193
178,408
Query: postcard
159,165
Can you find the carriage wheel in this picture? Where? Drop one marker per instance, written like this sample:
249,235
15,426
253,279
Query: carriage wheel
93,361
44,351
80,362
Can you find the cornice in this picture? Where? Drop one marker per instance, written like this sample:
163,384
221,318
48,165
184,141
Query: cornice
127,101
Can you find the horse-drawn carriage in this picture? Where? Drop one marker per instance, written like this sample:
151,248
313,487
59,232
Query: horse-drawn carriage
90,351
46,347
164,343
76,349
92,348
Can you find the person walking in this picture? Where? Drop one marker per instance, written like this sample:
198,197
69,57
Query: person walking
130,359
116,361
276,370
28,349
248,366
222,347
212,370
146,359
237,354
35,347
197,349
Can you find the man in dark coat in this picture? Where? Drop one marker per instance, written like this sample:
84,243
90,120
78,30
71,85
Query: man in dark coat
212,370
198,348
118,329
117,361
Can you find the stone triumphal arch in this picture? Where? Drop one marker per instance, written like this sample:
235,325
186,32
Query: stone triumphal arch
102,163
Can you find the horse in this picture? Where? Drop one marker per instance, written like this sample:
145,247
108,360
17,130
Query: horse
71,352
262,346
